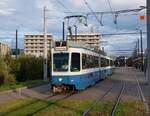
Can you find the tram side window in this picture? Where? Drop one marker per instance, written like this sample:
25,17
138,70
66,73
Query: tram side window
89,61
75,62
102,62
95,60
107,62
84,63
111,63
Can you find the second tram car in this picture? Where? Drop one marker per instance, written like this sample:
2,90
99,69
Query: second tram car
77,67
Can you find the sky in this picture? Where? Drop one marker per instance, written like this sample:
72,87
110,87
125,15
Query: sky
27,17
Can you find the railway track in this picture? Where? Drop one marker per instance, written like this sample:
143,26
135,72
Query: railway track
141,95
35,100
118,100
87,111
95,102
142,98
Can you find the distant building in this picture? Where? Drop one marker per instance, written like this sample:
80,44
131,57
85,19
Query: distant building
34,44
19,52
4,49
91,40
120,61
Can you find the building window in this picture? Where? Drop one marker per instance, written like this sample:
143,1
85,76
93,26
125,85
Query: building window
49,36
41,35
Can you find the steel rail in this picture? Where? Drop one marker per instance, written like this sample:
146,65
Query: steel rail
96,101
118,100
140,90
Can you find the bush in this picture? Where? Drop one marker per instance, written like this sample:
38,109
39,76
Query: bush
5,75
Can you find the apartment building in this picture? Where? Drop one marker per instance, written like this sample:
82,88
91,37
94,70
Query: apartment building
91,40
34,44
4,49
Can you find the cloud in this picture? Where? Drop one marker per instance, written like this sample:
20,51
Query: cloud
6,7
119,4
6,11
27,16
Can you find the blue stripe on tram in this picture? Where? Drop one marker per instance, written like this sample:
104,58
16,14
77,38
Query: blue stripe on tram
81,81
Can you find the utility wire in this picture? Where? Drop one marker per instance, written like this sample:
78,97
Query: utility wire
128,33
108,1
112,12
59,2
88,6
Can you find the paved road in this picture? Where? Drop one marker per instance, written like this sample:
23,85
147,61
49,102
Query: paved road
92,93
40,92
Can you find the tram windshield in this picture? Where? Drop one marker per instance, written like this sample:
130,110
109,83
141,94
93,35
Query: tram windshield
61,61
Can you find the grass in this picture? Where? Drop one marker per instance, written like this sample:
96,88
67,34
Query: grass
68,108
102,109
43,108
12,105
65,108
131,109
29,84
124,109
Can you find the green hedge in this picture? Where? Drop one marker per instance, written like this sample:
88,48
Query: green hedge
25,68
30,68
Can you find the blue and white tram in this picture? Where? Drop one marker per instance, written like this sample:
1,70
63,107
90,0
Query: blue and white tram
78,67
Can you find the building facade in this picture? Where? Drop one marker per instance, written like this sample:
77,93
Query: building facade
34,44
4,49
91,40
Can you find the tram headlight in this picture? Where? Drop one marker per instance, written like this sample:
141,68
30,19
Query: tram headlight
60,79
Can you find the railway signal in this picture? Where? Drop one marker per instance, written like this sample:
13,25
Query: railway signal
142,17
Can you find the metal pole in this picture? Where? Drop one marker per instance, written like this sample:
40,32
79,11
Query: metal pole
63,30
75,32
103,49
45,45
16,43
148,45
138,46
141,48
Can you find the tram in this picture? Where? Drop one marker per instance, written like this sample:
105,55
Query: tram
76,67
